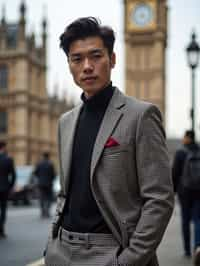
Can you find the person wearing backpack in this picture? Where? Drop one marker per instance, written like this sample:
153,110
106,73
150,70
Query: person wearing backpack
186,178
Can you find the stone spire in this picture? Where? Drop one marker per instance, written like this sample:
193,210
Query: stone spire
3,18
22,24
44,28
22,10
44,33
3,28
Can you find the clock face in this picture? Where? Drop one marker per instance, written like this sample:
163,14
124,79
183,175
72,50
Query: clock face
142,14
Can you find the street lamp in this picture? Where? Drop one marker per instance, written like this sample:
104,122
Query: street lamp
193,51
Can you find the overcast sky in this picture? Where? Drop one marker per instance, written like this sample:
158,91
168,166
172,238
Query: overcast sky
183,18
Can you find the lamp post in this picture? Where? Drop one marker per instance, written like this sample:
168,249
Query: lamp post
193,51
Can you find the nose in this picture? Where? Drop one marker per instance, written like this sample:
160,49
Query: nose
87,65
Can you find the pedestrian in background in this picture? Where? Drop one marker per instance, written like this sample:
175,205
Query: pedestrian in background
186,178
7,181
116,190
45,174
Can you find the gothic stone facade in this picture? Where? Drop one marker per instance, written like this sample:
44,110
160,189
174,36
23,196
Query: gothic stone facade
28,116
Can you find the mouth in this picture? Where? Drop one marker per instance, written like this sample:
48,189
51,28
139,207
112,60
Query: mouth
89,79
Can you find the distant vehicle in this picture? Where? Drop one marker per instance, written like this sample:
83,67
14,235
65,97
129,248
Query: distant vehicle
56,187
23,189
26,188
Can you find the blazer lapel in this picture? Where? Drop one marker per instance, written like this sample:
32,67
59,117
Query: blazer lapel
112,116
68,133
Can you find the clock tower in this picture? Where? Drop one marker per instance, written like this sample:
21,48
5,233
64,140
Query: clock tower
145,43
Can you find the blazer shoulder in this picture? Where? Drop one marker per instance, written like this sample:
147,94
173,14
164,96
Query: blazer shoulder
67,115
140,108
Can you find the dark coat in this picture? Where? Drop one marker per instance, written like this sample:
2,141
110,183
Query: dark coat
7,172
178,165
45,173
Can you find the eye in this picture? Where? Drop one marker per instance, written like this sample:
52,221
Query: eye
75,59
96,56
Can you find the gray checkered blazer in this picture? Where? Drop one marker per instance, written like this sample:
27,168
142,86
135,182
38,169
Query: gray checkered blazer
131,182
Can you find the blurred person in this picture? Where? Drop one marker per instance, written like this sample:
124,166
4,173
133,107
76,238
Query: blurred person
116,190
197,257
188,191
45,174
7,181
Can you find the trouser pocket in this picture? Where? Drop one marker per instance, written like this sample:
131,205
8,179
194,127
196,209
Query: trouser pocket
57,254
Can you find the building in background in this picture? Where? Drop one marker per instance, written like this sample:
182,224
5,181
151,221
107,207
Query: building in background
145,44
28,115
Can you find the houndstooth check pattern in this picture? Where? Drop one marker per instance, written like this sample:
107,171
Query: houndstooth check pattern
130,182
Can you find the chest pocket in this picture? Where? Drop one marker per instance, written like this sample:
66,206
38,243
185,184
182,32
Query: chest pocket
114,166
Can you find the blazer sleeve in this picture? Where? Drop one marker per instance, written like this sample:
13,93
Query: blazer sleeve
156,190
61,197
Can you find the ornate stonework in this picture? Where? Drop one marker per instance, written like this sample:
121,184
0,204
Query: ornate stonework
32,116
145,42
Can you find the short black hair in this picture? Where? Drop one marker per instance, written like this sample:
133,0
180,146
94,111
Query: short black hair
190,134
85,27
46,155
2,144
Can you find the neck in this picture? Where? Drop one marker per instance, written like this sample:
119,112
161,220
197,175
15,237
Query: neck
90,95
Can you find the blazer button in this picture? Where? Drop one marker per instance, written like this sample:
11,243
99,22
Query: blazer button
100,201
71,237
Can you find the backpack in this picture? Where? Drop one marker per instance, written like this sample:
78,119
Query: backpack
191,170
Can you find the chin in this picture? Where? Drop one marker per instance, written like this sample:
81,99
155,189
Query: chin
91,91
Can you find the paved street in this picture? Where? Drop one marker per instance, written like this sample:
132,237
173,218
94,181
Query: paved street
27,235
170,252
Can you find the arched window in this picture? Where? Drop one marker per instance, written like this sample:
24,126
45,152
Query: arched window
11,37
3,122
3,77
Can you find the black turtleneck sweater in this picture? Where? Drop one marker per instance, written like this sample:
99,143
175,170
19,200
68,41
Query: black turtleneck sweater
81,211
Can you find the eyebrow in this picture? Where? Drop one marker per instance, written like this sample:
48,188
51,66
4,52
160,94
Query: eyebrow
92,51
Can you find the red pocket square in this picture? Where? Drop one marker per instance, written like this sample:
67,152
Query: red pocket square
111,142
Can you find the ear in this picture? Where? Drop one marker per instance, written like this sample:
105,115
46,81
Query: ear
69,65
113,60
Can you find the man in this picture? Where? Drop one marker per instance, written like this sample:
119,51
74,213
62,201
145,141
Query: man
188,195
7,180
45,174
117,194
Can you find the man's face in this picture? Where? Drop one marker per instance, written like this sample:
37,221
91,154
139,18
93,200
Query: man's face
186,140
90,64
